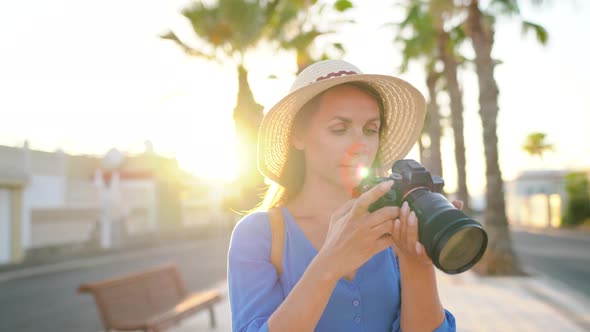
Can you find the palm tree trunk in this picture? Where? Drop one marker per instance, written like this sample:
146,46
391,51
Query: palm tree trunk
434,128
247,117
456,97
499,258
422,151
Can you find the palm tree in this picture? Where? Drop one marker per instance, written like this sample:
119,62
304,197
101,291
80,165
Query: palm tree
428,20
300,30
448,43
418,42
536,144
499,257
434,124
229,29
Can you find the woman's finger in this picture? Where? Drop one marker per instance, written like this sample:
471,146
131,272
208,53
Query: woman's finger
361,205
343,210
458,204
412,233
385,213
422,255
385,228
404,225
397,230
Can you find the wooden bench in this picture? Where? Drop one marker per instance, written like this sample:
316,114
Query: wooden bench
150,300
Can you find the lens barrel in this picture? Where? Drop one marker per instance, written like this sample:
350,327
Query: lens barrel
453,241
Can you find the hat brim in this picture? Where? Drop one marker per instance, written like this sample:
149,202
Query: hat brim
404,113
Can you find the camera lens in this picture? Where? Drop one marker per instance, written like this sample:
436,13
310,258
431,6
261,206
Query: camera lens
460,250
452,240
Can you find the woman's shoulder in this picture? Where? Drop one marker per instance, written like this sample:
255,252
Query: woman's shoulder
253,222
252,227
251,238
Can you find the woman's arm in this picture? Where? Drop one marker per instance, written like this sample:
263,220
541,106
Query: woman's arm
421,309
303,307
255,292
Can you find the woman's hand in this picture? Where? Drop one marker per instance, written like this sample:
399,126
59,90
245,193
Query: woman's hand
355,235
405,235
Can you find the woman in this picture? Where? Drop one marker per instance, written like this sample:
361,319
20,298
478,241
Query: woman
343,268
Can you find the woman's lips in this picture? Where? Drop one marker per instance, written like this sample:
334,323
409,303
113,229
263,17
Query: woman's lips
353,165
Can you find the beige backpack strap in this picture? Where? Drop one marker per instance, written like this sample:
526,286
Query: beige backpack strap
277,230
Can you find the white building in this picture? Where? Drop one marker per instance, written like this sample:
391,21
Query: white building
13,179
537,198
53,199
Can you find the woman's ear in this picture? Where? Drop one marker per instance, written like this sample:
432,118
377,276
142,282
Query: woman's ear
297,141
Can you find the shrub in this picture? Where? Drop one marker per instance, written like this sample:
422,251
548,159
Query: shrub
578,204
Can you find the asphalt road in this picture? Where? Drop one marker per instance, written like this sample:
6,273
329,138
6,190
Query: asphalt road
561,255
49,302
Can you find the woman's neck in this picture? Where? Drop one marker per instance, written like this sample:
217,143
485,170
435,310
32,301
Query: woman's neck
318,199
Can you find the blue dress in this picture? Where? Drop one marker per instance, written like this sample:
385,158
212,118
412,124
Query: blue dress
370,302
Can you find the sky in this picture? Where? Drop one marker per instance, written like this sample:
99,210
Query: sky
87,76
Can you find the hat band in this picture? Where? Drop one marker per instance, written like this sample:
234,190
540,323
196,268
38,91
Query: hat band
335,74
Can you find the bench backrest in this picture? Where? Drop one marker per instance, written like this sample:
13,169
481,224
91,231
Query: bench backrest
135,297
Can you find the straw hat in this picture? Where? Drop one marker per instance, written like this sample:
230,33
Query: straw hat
404,112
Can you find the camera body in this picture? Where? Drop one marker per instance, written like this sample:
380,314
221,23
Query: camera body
452,239
408,175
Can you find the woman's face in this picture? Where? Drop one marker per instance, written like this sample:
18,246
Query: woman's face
341,139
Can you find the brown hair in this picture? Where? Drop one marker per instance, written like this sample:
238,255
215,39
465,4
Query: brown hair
294,171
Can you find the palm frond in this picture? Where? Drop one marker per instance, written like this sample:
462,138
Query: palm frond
413,12
339,47
343,5
246,21
186,48
535,144
504,7
539,3
418,37
540,32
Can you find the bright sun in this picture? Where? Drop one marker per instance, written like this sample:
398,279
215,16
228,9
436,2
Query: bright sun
197,122
198,129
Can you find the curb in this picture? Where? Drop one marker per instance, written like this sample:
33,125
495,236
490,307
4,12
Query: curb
574,233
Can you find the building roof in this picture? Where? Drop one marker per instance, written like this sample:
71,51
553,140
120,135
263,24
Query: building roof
14,166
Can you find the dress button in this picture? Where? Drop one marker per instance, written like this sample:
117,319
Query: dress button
356,303
357,319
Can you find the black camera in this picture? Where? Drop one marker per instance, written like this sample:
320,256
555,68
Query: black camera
453,241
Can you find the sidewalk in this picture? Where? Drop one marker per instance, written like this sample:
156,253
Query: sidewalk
478,304
534,303
200,321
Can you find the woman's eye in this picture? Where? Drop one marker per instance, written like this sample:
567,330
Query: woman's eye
338,130
371,131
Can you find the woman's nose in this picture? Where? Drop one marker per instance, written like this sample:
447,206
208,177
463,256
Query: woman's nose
358,147
355,149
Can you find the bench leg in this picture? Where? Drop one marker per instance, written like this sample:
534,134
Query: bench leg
212,317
